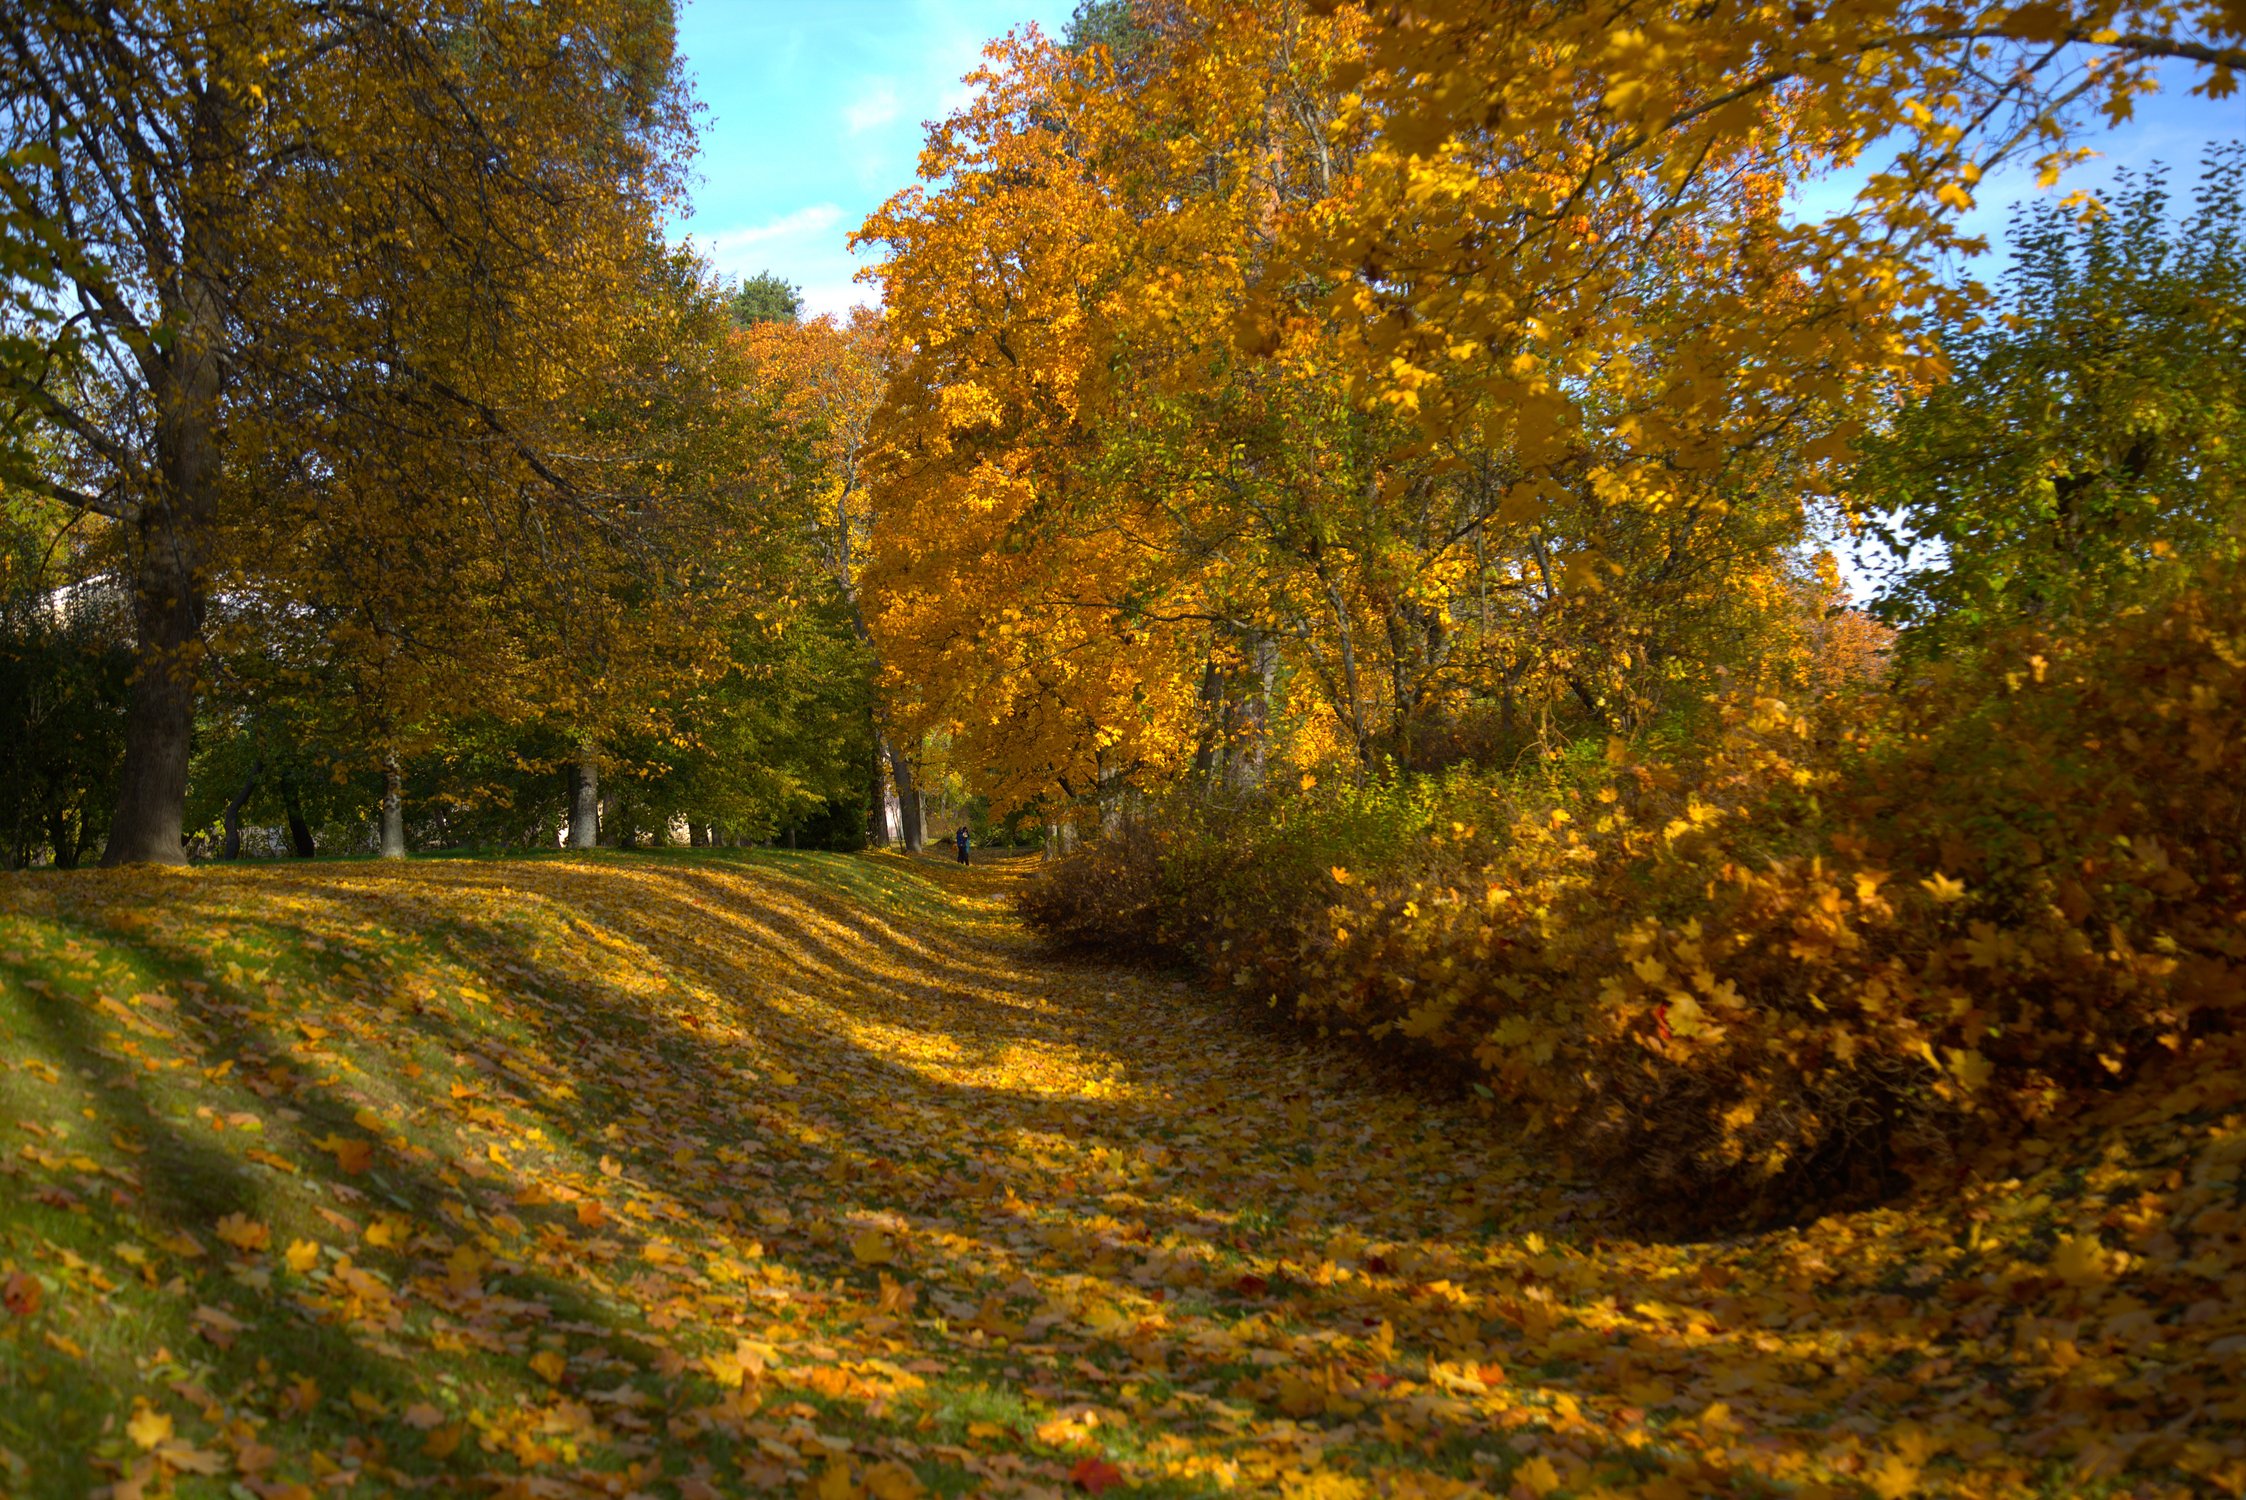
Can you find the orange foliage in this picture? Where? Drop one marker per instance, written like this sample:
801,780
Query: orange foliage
1846,939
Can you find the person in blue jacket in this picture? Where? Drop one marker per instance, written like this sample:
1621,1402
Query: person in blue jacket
960,839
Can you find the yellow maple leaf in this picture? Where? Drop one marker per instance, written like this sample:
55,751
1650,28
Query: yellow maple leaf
874,1248
2080,1260
891,1480
1943,888
301,1256
550,1365
148,1426
1894,1478
351,1155
244,1233
1969,1067
1537,1476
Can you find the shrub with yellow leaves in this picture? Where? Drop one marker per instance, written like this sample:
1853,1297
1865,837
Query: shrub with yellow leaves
1821,954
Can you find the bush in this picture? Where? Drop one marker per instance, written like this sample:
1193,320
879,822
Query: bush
1823,955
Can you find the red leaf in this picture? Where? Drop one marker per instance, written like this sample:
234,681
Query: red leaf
20,1295
1095,1474
1251,1285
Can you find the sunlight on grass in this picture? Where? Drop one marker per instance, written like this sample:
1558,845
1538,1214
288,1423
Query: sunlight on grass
733,1174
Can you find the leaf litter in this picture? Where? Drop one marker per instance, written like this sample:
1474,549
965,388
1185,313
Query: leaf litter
654,1175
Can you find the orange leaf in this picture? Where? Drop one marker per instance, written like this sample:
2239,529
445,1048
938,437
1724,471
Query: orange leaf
1092,1475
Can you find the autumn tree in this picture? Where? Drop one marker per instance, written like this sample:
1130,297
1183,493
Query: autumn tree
1531,172
247,216
1187,535
825,378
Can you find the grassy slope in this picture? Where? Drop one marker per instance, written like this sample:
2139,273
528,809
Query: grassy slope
693,1174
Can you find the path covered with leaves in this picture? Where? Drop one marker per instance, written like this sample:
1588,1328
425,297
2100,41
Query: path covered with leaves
692,1176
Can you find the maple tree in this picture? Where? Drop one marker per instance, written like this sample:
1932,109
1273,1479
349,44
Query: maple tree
826,378
235,226
1357,466
1138,528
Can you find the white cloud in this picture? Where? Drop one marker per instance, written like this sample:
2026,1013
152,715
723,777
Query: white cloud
726,245
875,106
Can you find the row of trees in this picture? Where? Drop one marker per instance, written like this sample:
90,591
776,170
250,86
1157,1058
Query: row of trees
1364,385
1330,385
365,446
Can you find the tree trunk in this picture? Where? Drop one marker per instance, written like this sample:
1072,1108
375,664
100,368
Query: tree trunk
166,552
877,792
233,846
584,801
393,811
300,832
168,538
63,838
911,826
697,835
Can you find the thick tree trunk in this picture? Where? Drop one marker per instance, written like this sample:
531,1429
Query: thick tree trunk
697,835
584,801
233,846
911,826
167,541
393,811
167,552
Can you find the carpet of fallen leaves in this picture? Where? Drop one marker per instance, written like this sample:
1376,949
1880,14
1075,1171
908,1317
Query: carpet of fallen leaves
652,1175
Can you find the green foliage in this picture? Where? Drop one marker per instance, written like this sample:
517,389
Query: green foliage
2093,427
65,660
767,298
1118,25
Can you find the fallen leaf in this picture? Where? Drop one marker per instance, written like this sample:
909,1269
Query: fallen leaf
1094,1475
147,1426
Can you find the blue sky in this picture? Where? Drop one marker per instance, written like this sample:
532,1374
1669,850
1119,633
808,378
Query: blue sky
815,113
2169,128
814,118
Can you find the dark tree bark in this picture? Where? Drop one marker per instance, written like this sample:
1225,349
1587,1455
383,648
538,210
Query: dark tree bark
300,832
170,532
63,838
877,790
232,849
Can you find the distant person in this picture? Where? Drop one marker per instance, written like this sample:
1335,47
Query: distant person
960,839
